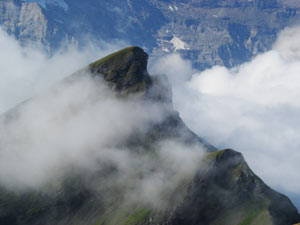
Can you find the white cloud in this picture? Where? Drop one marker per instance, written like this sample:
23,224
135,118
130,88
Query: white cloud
178,70
24,71
288,43
253,108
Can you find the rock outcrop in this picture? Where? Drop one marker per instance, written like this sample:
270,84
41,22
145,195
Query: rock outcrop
228,192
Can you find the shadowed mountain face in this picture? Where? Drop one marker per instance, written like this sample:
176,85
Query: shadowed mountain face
126,71
216,188
209,32
245,198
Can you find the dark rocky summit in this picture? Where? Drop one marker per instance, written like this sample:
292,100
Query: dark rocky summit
223,190
125,70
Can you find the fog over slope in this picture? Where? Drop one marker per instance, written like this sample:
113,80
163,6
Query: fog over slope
80,125
25,71
253,108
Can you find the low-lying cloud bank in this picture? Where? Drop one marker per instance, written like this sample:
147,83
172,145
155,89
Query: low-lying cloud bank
253,108
80,124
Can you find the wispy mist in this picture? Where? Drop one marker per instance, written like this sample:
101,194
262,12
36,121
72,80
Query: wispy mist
81,125
26,70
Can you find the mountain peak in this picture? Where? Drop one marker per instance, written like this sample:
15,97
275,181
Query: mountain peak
221,190
227,191
125,70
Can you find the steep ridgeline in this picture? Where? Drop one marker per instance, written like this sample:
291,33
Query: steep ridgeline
209,32
220,189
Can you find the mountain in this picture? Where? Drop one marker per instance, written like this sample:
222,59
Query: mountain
220,189
214,32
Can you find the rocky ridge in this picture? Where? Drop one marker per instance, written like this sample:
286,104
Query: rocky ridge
223,189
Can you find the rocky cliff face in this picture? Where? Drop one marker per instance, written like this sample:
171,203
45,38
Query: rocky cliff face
223,32
207,32
26,21
221,190
30,23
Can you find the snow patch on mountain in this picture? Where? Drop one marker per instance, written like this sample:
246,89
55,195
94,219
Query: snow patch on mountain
173,8
43,3
179,44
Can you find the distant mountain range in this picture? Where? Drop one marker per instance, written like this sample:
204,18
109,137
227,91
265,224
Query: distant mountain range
209,32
